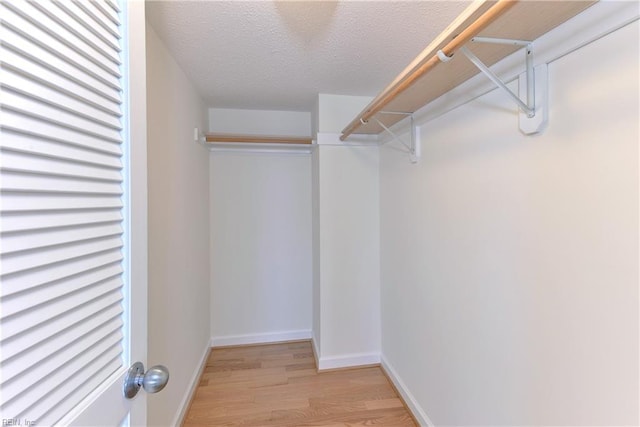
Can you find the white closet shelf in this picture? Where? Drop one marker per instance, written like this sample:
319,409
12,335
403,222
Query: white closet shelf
427,77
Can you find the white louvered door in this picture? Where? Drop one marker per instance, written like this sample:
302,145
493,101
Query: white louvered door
66,221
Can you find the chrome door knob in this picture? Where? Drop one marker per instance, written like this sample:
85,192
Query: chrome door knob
154,380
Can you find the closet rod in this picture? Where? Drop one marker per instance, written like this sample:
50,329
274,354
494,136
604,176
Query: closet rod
459,40
257,139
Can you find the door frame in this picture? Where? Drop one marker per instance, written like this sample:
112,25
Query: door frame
136,88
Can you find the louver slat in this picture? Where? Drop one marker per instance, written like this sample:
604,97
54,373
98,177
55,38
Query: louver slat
28,162
46,220
101,50
109,12
98,28
39,129
42,147
32,297
35,108
33,12
30,39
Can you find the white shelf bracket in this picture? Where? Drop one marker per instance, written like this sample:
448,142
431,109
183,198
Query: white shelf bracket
414,145
532,86
200,138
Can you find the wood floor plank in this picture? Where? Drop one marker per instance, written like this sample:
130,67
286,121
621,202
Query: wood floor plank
278,385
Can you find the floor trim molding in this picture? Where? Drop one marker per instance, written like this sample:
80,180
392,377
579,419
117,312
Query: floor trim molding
409,400
262,338
193,386
356,360
316,351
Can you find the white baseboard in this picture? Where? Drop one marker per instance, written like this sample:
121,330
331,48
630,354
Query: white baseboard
264,338
193,385
408,398
348,361
316,351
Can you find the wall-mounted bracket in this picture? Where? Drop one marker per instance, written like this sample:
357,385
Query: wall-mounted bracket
531,125
528,108
414,145
532,84
200,137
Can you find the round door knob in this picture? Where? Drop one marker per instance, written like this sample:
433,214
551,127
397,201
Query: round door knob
154,380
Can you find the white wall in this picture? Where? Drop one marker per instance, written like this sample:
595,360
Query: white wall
510,263
346,327
349,256
259,122
316,325
335,112
178,207
261,261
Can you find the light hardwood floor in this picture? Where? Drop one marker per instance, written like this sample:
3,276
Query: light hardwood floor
278,385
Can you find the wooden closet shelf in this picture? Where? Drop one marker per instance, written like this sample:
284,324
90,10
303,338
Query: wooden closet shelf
426,77
257,139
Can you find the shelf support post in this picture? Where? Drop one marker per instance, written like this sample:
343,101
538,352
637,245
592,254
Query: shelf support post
533,115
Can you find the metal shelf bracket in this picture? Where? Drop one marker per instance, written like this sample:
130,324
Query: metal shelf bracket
532,84
414,144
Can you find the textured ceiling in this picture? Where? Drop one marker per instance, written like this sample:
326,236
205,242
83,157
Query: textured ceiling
278,55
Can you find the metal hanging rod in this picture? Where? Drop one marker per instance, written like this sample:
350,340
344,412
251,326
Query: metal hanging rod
496,40
401,113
